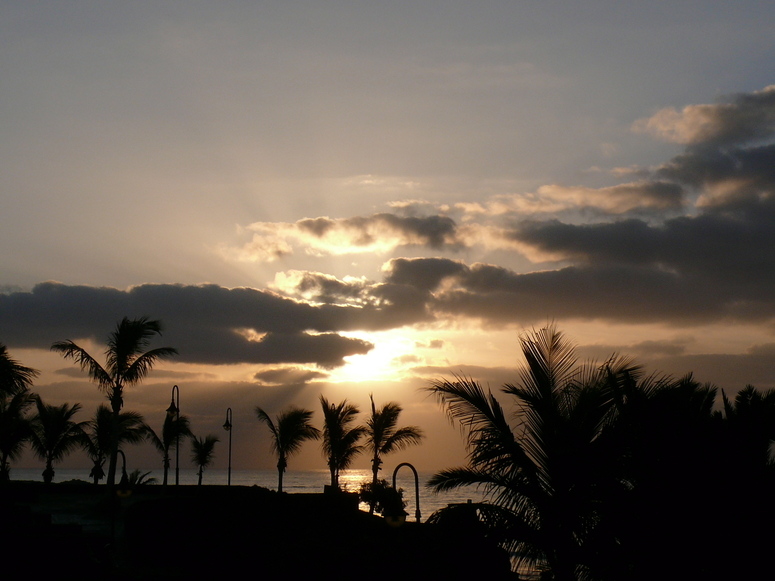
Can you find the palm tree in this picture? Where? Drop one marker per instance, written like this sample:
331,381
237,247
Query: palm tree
139,478
383,437
126,365
750,424
14,377
545,477
15,429
290,429
340,441
174,428
131,430
202,452
55,434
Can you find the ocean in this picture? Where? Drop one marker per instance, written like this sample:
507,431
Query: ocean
294,482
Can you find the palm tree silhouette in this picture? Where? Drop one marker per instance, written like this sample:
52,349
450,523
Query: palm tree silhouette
126,365
55,434
546,476
173,429
202,452
383,437
290,429
340,441
99,433
15,428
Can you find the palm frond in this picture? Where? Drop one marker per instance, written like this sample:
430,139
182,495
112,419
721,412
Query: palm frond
141,367
79,355
203,450
14,377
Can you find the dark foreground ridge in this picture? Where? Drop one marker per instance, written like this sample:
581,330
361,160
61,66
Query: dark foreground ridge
76,530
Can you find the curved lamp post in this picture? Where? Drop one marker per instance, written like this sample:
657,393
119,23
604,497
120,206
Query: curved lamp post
174,410
227,426
124,489
416,487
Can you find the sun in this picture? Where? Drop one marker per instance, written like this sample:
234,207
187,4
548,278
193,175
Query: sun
394,351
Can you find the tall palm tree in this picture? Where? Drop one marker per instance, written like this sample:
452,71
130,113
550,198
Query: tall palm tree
384,437
340,441
289,431
126,365
15,428
131,430
202,452
55,434
546,476
14,377
174,428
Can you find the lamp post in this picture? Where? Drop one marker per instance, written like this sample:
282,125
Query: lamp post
174,410
416,488
124,488
227,426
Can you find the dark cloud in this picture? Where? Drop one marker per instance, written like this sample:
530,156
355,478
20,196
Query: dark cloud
499,296
422,273
434,231
329,289
362,305
207,324
433,344
738,119
284,375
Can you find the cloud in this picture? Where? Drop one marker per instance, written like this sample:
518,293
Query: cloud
553,198
377,233
422,273
432,344
286,375
631,258
207,324
743,118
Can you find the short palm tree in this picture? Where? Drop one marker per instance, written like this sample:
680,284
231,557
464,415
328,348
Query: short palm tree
174,428
126,365
55,434
15,428
131,430
340,441
384,437
289,431
202,452
139,478
14,377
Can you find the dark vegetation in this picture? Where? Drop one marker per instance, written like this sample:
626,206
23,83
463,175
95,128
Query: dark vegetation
610,474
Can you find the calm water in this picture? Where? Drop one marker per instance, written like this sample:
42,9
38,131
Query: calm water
293,482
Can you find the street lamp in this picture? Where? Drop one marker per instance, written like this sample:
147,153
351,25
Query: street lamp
174,410
227,426
416,488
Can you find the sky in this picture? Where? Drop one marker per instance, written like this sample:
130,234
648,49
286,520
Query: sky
349,198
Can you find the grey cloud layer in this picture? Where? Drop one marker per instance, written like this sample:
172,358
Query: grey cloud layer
714,262
206,323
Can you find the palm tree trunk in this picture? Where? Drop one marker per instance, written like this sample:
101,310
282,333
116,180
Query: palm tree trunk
201,470
115,403
48,473
5,469
375,462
